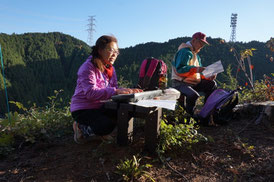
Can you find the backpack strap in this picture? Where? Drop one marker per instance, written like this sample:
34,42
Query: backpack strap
147,70
232,102
163,67
152,67
143,69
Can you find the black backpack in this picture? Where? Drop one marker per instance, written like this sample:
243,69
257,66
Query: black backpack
153,74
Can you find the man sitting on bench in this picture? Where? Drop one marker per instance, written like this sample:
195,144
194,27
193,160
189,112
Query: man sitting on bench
186,72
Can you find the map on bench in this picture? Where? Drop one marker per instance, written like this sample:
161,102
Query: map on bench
137,96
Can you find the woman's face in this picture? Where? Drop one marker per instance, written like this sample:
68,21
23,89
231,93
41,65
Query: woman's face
109,53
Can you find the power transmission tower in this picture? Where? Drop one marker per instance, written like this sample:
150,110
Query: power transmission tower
91,29
233,25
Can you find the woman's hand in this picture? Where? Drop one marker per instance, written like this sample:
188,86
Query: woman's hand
136,90
123,91
127,91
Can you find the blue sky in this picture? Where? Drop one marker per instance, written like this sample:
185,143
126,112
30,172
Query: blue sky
140,21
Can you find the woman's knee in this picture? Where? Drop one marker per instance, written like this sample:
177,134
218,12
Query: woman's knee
104,128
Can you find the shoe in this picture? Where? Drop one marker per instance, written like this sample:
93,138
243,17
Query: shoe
107,138
78,136
111,136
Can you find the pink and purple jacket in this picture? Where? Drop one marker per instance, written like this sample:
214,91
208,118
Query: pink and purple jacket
92,87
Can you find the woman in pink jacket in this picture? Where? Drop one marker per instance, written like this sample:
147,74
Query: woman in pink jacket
96,82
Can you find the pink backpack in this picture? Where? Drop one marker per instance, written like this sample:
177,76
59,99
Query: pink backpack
153,74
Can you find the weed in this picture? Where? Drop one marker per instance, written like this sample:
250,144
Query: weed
181,134
36,123
131,169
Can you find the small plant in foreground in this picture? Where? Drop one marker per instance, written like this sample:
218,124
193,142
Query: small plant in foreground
181,134
131,169
36,123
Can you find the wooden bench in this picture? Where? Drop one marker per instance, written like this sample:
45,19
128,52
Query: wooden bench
126,112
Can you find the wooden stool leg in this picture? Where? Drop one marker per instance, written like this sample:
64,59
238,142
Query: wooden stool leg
124,126
182,101
152,130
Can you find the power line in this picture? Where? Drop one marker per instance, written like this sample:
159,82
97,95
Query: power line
91,29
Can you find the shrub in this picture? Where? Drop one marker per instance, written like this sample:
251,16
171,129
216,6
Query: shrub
131,169
36,123
181,133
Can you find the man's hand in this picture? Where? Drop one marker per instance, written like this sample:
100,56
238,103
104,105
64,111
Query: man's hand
200,69
213,77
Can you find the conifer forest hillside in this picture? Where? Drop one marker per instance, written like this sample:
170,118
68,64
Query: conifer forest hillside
36,64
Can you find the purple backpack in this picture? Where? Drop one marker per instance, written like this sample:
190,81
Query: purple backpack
220,105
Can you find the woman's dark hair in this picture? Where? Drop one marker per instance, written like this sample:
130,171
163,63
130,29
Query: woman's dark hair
100,44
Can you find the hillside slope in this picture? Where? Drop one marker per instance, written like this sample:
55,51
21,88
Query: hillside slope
36,64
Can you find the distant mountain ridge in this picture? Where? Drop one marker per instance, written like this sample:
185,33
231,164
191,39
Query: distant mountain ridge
36,64
217,50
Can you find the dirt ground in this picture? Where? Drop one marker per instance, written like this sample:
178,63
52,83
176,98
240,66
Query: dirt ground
239,151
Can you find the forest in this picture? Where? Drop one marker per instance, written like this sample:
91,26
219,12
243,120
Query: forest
36,64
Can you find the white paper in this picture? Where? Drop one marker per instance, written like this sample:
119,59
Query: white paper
167,104
213,69
167,100
170,94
